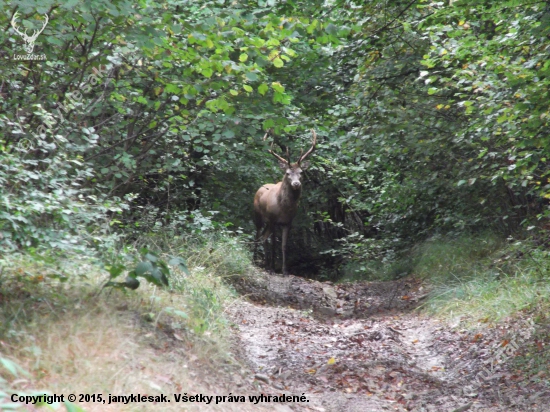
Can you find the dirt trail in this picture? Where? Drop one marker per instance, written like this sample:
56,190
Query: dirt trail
359,347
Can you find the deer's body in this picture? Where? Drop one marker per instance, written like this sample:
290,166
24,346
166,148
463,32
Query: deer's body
270,199
277,204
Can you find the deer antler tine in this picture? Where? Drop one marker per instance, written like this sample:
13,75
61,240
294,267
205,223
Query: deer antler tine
306,154
276,155
272,152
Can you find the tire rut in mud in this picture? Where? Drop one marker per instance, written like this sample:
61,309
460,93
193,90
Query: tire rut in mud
355,347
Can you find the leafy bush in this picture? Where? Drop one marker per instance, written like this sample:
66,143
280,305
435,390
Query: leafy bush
44,204
218,252
435,125
5,391
210,257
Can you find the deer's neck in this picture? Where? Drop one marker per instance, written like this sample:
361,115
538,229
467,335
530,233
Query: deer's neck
288,195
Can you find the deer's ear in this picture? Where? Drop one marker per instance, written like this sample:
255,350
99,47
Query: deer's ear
283,165
304,165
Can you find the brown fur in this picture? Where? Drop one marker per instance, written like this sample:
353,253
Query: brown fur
277,204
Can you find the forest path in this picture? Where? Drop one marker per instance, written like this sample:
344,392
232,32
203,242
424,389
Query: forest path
360,347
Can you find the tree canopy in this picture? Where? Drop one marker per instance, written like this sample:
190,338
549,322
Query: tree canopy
432,118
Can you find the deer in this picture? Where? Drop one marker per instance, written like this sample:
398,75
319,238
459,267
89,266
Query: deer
29,40
276,205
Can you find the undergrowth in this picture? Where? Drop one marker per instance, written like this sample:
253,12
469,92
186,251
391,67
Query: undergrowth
217,253
484,278
73,336
474,278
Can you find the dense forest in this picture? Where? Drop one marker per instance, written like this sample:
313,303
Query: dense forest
144,117
135,134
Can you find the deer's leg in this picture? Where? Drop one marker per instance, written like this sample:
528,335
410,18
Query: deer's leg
266,254
256,241
265,236
273,251
259,223
286,229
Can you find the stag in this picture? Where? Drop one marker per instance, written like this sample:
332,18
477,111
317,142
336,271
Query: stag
277,204
29,40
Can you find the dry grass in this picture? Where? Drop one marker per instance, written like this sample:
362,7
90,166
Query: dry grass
72,340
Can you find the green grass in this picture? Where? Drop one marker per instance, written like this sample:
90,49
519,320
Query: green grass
444,260
480,277
219,254
212,259
483,278
56,324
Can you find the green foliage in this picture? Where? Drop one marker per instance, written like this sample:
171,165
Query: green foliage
148,266
217,252
211,257
44,205
149,117
447,260
480,279
489,63
6,391
418,145
157,105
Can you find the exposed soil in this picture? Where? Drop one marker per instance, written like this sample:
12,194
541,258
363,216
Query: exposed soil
362,347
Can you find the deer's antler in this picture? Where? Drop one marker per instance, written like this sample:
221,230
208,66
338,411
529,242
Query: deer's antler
306,154
279,157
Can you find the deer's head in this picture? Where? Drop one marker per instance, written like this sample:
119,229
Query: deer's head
293,171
